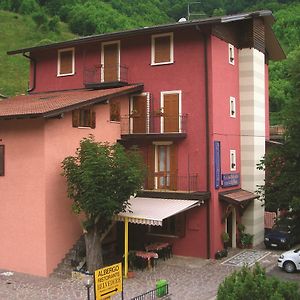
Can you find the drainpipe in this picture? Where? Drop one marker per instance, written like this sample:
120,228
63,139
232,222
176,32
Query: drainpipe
34,71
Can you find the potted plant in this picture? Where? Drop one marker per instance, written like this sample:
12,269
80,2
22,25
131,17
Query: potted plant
226,239
246,240
131,264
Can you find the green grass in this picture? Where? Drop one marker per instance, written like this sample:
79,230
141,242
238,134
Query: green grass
18,31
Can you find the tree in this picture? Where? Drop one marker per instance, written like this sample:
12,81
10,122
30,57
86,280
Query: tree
282,164
100,180
255,284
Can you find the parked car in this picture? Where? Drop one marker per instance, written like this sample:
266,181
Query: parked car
281,236
290,260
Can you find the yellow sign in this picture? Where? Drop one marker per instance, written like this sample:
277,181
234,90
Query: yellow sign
108,281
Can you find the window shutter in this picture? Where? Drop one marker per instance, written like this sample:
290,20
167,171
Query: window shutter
162,49
1,160
66,62
173,167
75,118
93,119
150,167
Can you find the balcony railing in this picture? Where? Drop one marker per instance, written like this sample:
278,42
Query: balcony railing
164,181
153,123
104,75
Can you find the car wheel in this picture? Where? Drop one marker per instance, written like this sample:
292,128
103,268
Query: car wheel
289,267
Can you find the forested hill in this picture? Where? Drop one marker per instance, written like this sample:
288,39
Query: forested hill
30,21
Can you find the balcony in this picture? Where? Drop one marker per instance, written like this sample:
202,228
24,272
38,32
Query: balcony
153,126
101,77
167,182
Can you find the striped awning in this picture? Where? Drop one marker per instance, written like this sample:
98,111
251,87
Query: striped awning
152,211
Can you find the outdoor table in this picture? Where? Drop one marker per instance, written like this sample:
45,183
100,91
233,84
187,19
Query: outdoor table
156,246
147,255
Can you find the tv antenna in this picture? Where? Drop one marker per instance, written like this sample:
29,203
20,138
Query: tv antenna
195,11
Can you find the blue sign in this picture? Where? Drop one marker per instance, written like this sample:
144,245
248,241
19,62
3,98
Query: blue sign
230,179
217,163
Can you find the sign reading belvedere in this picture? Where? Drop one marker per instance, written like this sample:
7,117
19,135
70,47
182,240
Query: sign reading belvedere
108,281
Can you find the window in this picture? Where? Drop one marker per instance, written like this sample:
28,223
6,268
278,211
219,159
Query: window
84,118
232,160
115,114
1,160
162,49
66,62
172,226
232,107
231,54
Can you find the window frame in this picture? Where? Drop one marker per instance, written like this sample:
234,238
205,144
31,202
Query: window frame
59,74
118,104
162,104
76,118
232,160
2,158
231,54
153,37
232,107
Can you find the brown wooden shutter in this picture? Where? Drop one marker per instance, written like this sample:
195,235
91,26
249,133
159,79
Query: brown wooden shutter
150,167
75,118
93,119
173,167
162,49
1,160
180,224
66,62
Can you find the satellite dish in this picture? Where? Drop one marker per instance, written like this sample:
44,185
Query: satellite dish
182,20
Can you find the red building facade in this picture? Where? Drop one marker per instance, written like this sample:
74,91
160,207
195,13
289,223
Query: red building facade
188,120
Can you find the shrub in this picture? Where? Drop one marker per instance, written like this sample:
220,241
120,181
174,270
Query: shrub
248,284
40,18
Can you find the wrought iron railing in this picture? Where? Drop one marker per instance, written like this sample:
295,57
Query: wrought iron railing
136,123
164,181
159,293
102,74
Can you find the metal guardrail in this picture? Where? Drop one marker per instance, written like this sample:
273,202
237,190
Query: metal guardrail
161,292
100,74
153,123
171,182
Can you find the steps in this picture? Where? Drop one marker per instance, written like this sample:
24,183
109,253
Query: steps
70,261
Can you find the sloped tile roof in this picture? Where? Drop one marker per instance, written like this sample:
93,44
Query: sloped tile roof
54,103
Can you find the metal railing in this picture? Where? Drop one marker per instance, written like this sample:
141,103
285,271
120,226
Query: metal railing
101,74
160,181
159,293
136,123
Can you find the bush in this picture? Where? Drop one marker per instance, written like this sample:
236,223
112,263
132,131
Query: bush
248,284
40,18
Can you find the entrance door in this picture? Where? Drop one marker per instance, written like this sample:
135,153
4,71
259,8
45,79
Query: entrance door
171,112
139,114
229,228
110,62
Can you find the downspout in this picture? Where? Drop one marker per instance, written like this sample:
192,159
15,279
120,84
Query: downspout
34,72
207,142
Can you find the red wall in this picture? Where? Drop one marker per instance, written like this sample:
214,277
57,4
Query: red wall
223,83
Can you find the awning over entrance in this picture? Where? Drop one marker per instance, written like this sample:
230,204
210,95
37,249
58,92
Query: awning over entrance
152,211
238,197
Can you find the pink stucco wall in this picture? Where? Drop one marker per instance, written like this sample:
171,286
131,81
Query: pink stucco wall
61,140
35,216
22,197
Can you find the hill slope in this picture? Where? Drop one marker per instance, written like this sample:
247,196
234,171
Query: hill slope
19,31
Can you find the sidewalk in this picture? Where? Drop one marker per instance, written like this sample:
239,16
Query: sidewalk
188,278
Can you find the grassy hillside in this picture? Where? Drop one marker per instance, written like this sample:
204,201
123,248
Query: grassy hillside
19,31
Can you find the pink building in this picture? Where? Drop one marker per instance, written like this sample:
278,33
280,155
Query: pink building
192,95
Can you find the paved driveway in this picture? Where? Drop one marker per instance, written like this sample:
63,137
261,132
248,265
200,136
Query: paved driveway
188,278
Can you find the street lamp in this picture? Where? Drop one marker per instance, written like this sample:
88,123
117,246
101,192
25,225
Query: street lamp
88,282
